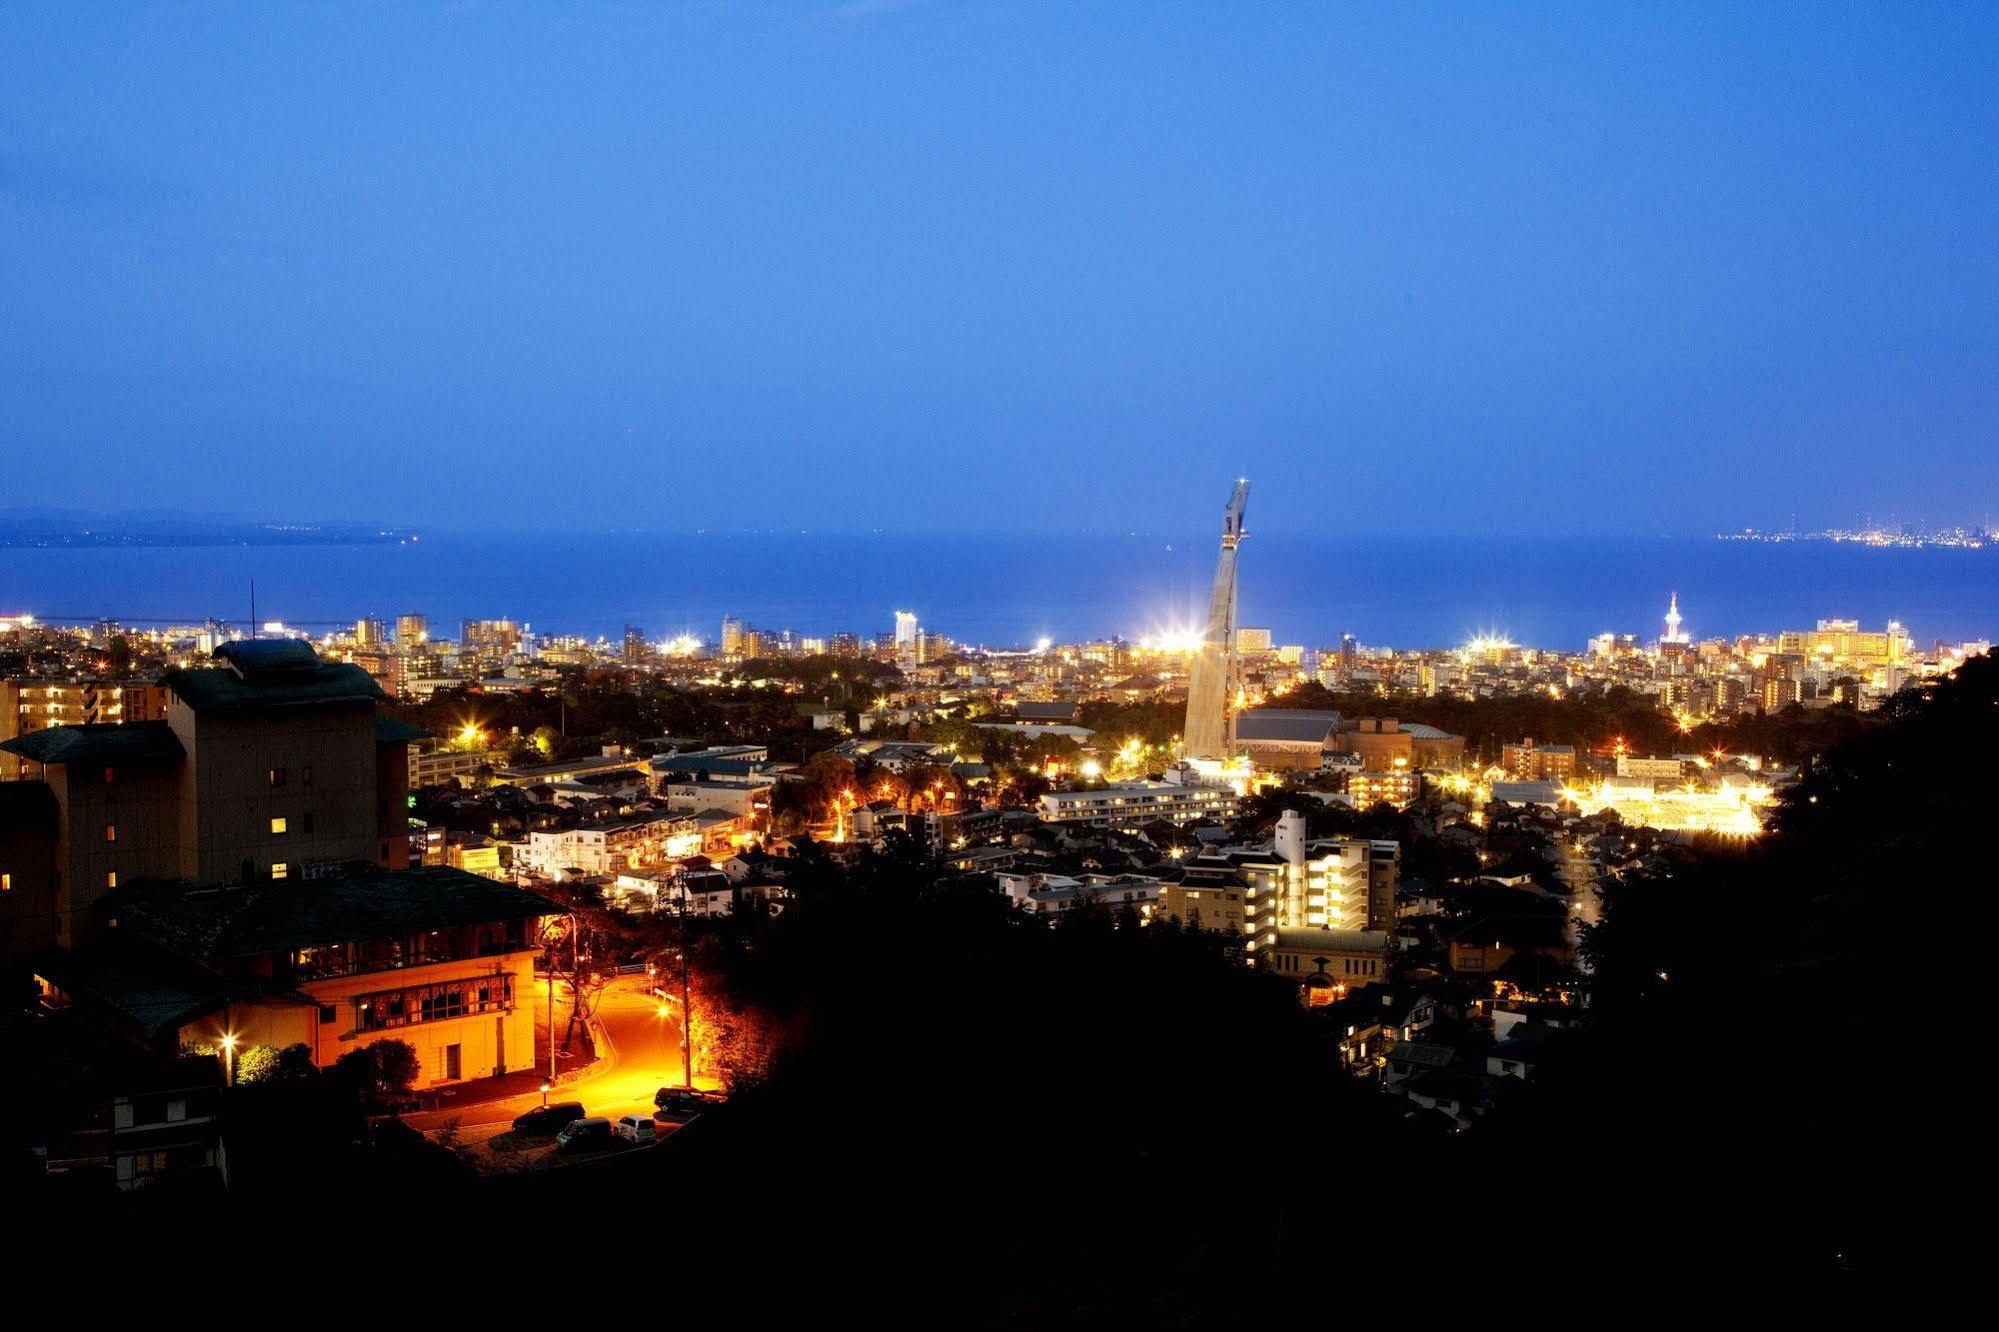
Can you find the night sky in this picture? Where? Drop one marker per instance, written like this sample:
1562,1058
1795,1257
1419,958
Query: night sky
999,265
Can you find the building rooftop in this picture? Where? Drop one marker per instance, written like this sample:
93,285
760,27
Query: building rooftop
716,766
389,731
109,743
270,673
216,924
570,768
1285,724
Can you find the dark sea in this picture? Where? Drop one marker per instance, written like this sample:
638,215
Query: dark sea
1400,592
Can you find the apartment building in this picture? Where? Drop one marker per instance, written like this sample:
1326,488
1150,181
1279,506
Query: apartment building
236,875
1540,763
269,765
1134,804
27,706
1291,883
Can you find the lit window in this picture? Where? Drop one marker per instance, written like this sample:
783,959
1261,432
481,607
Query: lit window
277,825
111,879
280,870
6,883
110,832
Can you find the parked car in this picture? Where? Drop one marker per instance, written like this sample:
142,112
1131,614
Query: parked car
584,1135
638,1130
546,1119
684,1102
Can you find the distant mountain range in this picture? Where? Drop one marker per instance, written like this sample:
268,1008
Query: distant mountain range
74,527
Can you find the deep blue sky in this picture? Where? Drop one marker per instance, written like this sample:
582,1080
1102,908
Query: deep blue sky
1004,265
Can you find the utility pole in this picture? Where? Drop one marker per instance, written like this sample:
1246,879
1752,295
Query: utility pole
686,1003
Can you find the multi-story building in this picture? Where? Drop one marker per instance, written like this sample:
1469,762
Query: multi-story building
1056,894
1291,883
30,868
432,764
609,846
236,876
1133,804
35,705
1845,643
1397,787
268,766
1252,638
1330,961
1541,763
1384,744
1650,769
488,641
432,956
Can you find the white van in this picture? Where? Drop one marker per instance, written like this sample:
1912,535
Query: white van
636,1129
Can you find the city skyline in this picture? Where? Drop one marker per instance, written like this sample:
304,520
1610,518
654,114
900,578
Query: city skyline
1441,255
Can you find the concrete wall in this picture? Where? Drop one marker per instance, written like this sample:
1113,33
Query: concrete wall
328,761
142,803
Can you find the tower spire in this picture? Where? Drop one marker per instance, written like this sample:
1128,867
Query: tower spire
1673,634
1206,733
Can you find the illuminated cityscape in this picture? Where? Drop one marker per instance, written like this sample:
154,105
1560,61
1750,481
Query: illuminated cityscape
618,679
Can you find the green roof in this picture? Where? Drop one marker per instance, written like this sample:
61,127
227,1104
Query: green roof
154,992
282,916
389,731
251,681
108,743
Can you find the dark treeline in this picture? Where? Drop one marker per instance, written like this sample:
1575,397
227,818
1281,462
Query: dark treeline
1754,1087
1594,721
594,707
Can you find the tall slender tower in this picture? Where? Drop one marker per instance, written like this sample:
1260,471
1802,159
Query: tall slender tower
1206,734
1673,634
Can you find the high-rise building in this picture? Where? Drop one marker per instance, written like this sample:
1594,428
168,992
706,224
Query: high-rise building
1205,735
254,846
636,649
267,765
732,636
489,640
412,631
35,705
908,637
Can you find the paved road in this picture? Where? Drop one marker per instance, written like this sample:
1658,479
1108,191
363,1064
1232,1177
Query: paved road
640,1053
1585,907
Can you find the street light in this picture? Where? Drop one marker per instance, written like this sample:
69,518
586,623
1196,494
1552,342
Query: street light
229,1058
544,1095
